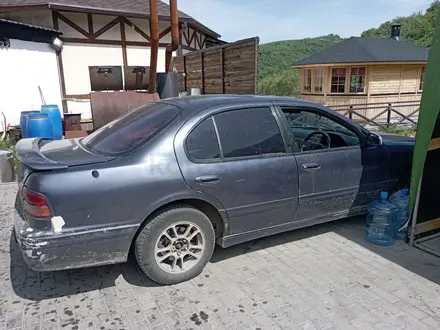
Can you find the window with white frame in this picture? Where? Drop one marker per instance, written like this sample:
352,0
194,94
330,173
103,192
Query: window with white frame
338,80
357,80
307,80
319,80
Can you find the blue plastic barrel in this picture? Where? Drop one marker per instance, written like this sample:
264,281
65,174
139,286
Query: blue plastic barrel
23,122
55,116
39,125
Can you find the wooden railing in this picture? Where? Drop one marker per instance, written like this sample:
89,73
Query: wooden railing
381,114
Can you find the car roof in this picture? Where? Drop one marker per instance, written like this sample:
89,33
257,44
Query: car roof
193,104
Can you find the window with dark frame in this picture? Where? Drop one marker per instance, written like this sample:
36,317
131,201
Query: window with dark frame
307,80
357,80
319,80
303,122
422,78
201,143
249,132
338,80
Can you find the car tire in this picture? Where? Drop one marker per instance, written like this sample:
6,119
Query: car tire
160,234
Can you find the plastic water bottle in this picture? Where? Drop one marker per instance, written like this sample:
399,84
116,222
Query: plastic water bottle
401,200
381,224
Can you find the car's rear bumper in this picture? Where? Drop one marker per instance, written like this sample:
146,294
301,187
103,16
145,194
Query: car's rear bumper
43,250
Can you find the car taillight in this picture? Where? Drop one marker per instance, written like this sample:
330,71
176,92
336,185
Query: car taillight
35,204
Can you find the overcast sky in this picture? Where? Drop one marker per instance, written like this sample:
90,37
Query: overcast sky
273,20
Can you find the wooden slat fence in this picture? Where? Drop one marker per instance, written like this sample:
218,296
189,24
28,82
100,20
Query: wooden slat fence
226,69
382,114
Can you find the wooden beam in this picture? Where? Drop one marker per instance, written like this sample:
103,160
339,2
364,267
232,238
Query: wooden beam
179,50
111,42
203,42
426,226
60,65
90,23
184,72
188,48
339,65
138,30
434,144
123,41
105,28
78,97
12,9
202,58
222,72
192,38
185,36
164,32
74,25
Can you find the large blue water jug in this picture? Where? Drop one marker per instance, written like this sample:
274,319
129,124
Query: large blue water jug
381,225
55,116
23,122
39,125
401,200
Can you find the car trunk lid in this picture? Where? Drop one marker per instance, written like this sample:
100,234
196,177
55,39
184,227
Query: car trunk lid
41,154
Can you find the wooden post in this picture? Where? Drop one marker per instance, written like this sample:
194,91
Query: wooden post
123,42
202,58
184,74
389,115
222,72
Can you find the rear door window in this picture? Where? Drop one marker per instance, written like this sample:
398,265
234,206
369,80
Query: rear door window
249,132
129,131
202,143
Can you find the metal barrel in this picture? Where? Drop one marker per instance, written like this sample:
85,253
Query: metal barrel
40,125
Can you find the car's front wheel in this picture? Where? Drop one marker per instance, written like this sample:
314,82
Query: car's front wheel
175,245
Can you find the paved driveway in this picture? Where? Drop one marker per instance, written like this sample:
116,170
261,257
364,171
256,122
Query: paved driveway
318,278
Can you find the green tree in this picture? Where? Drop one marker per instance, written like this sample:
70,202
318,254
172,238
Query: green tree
276,75
417,28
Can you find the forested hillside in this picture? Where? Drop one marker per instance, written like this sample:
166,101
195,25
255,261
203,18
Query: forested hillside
277,78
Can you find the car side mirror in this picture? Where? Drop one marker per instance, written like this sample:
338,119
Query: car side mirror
373,140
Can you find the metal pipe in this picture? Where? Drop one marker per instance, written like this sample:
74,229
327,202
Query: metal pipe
174,36
154,31
415,213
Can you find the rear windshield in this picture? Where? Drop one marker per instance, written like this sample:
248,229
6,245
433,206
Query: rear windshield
129,131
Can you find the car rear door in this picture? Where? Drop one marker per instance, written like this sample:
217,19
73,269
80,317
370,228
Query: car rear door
238,155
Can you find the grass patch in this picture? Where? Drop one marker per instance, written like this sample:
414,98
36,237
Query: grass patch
397,130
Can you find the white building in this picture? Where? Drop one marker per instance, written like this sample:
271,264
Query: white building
96,33
28,61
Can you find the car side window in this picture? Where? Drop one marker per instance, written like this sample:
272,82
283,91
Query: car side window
249,132
202,143
313,131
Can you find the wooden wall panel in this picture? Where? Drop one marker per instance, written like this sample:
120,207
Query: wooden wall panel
227,69
385,79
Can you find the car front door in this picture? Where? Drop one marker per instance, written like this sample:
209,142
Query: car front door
329,157
239,156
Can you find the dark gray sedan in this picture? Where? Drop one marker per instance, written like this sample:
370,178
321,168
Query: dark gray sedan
172,178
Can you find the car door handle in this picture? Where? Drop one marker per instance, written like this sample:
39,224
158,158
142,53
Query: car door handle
207,178
311,166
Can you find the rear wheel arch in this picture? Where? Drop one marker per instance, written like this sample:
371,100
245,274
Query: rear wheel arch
219,223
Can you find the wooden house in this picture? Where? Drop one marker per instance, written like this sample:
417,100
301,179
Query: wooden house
108,34
364,71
